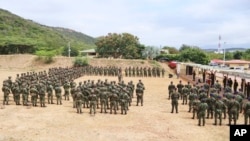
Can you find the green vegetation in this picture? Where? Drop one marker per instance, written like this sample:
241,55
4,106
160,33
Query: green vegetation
18,35
123,45
81,61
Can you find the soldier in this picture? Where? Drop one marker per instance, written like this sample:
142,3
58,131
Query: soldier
139,95
78,98
16,92
179,88
195,105
42,92
124,101
185,94
93,99
171,88
58,92
219,106
217,86
103,100
233,109
174,97
86,93
113,102
210,102
25,93
6,91
163,72
33,93
119,77
50,94
247,112
66,90
202,112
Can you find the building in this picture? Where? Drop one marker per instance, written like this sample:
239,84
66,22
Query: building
89,53
232,64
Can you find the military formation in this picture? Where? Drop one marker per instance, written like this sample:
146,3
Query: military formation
210,102
56,85
144,71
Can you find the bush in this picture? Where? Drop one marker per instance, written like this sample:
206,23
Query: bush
80,62
45,56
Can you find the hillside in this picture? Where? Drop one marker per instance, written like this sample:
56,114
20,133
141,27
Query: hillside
19,35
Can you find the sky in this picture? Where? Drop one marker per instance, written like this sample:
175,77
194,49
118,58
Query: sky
155,22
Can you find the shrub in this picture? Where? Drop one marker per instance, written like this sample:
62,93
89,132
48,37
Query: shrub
80,61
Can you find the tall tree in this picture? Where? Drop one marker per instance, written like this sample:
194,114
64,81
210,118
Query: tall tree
195,55
237,54
171,50
123,45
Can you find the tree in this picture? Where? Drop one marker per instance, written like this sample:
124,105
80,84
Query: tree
150,52
73,51
237,55
246,54
195,55
171,50
123,45
184,47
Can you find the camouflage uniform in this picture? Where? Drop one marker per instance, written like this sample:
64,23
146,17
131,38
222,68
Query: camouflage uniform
171,88
113,102
58,92
233,109
6,91
174,101
195,105
50,94
66,90
78,98
219,105
202,112
247,112
93,99
33,93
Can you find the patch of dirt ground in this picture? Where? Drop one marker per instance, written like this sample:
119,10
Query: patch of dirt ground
150,122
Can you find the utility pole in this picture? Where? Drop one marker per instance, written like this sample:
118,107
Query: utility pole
69,49
224,54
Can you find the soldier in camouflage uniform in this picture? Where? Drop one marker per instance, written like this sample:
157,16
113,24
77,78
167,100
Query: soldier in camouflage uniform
210,102
219,106
171,88
42,93
202,112
58,92
174,100
78,98
66,90
124,101
179,88
185,94
50,93
33,93
25,93
6,91
104,99
195,105
16,92
113,102
139,92
93,100
247,112
233,109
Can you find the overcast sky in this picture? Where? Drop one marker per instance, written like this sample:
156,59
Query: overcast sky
155,22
